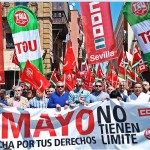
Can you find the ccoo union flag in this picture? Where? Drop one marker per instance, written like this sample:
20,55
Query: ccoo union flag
98,31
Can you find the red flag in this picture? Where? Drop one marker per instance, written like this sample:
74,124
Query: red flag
99,72
69,80
69,61
88,84
34,77
2,73
137,54
98,31
112,77
121,65
15,59
54,78
142,67
133,76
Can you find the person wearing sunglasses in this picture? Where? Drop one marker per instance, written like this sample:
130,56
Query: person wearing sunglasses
98,94
18,100
59,98
79,95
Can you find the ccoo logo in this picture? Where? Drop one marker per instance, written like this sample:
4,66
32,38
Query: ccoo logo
139,8
21,18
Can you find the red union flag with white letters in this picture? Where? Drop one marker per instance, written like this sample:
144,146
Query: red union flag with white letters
98,31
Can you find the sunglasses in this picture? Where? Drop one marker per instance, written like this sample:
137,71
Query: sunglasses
60,86
17,90
98,85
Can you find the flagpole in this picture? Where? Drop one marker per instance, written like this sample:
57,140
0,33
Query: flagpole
15,77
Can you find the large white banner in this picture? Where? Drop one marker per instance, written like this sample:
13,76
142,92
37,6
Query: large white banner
100,125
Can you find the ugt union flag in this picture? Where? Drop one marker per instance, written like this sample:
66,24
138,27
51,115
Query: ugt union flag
24,27
138,16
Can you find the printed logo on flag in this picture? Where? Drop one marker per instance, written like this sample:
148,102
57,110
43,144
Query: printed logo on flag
147,133
29,72
140,8
21,18
100,43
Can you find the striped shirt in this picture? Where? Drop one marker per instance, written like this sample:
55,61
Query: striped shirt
38,103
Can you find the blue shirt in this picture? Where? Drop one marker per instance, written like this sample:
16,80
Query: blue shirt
36,102
98,97
55,99
75,95
3,102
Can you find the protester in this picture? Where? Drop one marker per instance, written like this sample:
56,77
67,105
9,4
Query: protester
2,97
49,91
146,87
18,100
115,95
98,94
79,95
138,94
130,90
30,94
123,90
110,89
59,98
39,101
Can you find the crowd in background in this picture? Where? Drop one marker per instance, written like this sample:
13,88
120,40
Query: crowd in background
59,97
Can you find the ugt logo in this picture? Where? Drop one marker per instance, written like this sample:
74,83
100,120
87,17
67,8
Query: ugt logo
21,18
29,72
139,8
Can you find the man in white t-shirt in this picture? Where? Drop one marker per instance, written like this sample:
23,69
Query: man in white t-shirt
138,94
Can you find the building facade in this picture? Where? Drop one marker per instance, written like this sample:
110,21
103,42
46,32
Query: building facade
76,35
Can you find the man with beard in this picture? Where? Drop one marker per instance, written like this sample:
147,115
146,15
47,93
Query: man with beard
79,95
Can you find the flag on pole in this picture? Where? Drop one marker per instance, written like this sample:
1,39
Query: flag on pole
24,27
69,61
138,16
98,31
2,73
34,77
15,59
121,65
89,80
99,72
54,78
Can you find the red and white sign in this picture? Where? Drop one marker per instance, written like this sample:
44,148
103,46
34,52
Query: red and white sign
21,18
99,125
140,8
98,31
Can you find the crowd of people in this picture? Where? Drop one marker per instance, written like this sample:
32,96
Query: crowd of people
60,98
